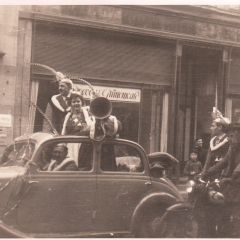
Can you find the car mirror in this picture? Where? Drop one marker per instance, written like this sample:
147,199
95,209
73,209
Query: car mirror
166,160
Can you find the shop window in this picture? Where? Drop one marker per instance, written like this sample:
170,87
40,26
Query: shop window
236,110
154,120
128,115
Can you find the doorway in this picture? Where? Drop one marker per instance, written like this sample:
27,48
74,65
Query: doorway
201,77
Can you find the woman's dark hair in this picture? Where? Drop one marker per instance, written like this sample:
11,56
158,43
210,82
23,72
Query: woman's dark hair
197,139
77,95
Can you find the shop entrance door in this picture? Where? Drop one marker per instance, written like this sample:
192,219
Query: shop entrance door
201,71
154,122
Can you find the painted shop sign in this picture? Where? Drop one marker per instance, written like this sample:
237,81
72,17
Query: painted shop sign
5,120
111,93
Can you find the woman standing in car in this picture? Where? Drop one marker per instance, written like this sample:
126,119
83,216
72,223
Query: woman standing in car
77,122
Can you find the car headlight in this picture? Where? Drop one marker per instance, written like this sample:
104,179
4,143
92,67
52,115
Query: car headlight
189,186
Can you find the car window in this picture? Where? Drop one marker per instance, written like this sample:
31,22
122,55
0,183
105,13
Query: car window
73,154
17,154
120,158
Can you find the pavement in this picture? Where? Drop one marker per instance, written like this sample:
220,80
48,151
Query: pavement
181,186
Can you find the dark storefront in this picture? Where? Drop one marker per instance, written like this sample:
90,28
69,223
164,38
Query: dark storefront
110,60
178,58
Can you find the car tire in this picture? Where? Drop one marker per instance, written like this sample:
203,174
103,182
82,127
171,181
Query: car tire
228,228
149,222
180,225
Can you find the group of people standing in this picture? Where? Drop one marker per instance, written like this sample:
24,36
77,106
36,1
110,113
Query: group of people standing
68,114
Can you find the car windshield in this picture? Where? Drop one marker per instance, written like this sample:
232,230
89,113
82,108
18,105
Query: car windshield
17,154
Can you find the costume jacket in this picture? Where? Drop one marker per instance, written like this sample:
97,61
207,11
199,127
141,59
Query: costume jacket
75,125
88,125
56,110
217,151
231,164
68,164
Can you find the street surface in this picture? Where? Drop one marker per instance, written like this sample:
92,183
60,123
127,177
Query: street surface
181,186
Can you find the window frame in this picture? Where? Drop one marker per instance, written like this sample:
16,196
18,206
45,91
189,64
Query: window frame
138,149
63,140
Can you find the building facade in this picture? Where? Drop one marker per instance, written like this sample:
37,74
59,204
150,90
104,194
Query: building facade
161,66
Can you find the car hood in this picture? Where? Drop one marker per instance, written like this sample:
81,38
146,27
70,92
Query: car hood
11,181
11,172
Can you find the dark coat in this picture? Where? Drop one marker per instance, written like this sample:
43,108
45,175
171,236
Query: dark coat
216,154
68,164
231,164
192,167
56,111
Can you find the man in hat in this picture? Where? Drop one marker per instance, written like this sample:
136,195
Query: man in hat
58,106
230,178
228,170
219,143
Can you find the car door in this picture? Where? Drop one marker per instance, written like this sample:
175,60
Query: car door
60,201
122,180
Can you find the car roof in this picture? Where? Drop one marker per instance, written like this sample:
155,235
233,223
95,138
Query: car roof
40,137
36,137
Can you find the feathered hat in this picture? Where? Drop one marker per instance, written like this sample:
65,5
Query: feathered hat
218,117
60,77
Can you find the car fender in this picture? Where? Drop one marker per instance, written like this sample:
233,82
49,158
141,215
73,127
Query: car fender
149,202
9,232
177,212
179,207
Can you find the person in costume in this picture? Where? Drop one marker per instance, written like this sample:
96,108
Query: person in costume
218,144
77,121
230,178
58,106
80,122
60,161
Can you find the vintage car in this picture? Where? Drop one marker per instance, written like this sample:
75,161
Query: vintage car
117,191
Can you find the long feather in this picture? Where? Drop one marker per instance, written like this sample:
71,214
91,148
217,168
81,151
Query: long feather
49,122
60,76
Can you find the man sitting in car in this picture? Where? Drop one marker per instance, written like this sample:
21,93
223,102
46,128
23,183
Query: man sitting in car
60,161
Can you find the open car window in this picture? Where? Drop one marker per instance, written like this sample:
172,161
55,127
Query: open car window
17,154
120,158
77,154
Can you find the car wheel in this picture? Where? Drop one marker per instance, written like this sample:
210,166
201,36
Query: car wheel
149,223
179,225
228,228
